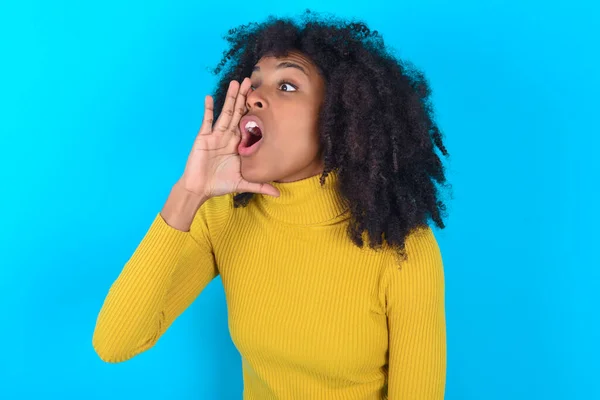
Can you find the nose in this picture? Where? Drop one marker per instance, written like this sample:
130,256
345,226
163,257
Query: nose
255,100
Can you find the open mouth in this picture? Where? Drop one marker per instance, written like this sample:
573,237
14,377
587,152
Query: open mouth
255,133
252,136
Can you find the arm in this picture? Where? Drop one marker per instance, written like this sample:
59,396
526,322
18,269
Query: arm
165,274
416,322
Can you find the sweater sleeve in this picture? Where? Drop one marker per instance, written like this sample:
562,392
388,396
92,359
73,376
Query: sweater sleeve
165,274
414,293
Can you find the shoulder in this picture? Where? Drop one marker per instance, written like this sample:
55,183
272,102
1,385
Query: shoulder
212,217
421,248
421,273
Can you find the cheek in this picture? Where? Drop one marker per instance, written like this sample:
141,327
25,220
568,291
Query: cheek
296,134
300,138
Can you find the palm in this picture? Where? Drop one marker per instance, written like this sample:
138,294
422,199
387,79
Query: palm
226,175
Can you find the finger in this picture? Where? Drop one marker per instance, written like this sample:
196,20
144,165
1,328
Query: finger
264,188
240,107
206,127
227,112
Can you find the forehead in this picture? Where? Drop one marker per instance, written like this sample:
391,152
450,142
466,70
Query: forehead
270,62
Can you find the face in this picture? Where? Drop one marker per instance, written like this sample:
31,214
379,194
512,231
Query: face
286,95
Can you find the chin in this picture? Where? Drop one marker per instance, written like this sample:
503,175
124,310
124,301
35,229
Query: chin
256,175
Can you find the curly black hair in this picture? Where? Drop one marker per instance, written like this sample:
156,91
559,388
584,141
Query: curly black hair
376,125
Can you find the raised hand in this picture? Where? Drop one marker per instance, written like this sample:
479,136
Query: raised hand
213,167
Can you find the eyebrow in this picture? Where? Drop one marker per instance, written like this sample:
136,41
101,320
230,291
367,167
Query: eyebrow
284,64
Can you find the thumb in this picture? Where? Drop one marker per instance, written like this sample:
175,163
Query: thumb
263,188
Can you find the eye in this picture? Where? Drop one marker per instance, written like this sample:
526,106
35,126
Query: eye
280,84
283,82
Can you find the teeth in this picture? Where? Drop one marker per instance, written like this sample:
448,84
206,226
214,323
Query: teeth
252,127
251,124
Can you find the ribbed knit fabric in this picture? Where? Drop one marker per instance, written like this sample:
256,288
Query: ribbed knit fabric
312,315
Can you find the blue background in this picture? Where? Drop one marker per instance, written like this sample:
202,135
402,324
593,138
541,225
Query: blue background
100,103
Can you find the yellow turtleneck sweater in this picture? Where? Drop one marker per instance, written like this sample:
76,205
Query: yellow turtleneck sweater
312,315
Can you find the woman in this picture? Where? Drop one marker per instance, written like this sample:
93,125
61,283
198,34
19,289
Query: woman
310,196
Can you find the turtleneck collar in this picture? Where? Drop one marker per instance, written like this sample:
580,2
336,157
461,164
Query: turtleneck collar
306,202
